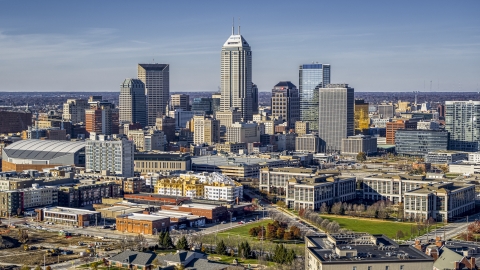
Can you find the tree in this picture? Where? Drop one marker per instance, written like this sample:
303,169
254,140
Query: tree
38,267
156,263
160,239
288,236
221,249
244,250
22,236
140,242
167,241
94,266
290,256
280,233
400,234
324,208
182,243
25,267
361,157
296,232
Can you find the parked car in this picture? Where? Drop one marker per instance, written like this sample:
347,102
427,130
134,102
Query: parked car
223,222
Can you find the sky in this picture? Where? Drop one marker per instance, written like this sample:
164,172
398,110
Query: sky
371,45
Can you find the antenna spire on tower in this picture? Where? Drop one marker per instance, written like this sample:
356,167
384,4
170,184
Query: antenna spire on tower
239,26
233,26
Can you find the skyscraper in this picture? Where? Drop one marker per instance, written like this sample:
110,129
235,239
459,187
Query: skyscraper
286,102
74,110
156,78
336,116
102,117
236,76
180,101
254,99
462,120
311,78
132,102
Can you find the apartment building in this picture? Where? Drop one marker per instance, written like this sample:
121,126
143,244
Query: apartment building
79,195
279,177
162,162
39,196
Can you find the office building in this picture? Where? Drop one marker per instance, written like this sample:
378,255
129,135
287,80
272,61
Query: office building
286,102
203,105
180,101
428,125
462,120
228,118
182,117
392,127
102,117
302,127
359,143
132,102
243,133
386,111
69,216
312,192
216,97
13,122
156,78
206,130
254,99
162,162
147,139
311,78
229,147
102,153
445,157
274,180
308,143
236,76
412,142
362,120
336,118
362,251
74,110
167,125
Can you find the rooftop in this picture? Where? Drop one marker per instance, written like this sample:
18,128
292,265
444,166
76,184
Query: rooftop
67,210
42,149
231,161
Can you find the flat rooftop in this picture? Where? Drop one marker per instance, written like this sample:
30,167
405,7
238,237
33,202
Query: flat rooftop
231,161
67,210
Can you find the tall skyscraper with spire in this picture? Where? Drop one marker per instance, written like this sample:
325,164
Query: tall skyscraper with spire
236,76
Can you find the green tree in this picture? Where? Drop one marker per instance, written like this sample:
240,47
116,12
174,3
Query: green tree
94,266
244,250
160,239
280,254
25,267
291,256
361,157
221,249
38,267
167,241
182,243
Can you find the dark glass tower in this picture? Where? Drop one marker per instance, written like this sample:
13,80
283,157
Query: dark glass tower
311,78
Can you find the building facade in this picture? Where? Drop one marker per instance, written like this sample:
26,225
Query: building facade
286,102
206,130
308,143
359,143
243,133
311,78
236,76
336,116
132,102
102,118
74,110
13,122
180,101
162,162
156,78
420,142
105,154
462,121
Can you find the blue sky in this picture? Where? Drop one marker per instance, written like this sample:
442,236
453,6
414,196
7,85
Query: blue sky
372,45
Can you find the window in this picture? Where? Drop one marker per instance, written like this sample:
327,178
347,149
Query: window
354,268
401,267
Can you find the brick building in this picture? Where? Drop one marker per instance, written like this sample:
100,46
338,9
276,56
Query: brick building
212,213
142,223
13,122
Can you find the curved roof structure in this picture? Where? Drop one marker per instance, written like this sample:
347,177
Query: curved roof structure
42,149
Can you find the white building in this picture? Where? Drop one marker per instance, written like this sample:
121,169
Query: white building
74,110
102,153
428,125
236,76
147,140
474,157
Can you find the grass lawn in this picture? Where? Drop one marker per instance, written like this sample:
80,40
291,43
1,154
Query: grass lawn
228,260
374,226
243,230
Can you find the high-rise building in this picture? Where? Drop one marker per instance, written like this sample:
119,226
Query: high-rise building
311,78
203,105
462,120
243,133
254,99
386,111
167,125
105,154
302,128
156,78
286,102
236,76
216,97
206,130
180,101
74,110
102,117
228,118
336,116
132,102
392,127
362,121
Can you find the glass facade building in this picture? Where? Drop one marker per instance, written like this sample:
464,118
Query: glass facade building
311,78
462,120
203,105
420,142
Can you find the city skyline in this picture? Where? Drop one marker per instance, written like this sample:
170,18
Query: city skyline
371,45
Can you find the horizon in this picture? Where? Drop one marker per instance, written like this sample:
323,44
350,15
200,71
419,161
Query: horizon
372,46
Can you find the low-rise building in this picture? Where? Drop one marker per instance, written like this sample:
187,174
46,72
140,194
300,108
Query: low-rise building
308,143
441,201
359,143
142,223
311,193
362,251
211,212
68,216
11,203
162,162
37,196
229,147
274,180
412,142
445,157
79,195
